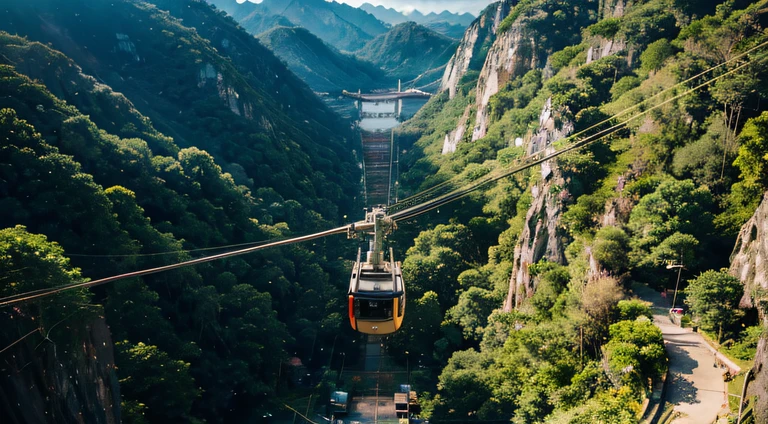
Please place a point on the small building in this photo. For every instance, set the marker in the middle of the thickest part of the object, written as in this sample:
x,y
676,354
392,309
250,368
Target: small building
x,y
401,405
339,403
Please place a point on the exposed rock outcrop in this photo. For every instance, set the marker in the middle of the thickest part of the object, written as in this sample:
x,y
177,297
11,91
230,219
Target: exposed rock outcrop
x,y
512,55
124,44
600,46
541,236
453,138
481,33
749,262
226,93
46,382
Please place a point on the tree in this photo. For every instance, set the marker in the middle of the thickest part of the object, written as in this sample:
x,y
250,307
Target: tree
x,y
472,311
598,299
463,385
31,262
648,340
163,384
611,249
753,153
655,54
421,327
679,248
633,309
674,206
551,280
714,299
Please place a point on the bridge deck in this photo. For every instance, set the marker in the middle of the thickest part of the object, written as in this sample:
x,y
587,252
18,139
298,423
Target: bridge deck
x,y
395,95
377,156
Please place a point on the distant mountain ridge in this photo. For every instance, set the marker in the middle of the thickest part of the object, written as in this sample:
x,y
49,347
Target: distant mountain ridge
x,y
447,23
393,17
342,26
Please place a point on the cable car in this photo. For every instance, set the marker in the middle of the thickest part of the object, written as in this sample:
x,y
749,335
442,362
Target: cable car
x,y
376,289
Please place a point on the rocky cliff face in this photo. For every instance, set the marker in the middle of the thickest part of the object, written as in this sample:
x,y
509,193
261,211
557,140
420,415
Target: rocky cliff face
x,y
541,236
47,382
481,33
512,55
208,74
601,46
749,263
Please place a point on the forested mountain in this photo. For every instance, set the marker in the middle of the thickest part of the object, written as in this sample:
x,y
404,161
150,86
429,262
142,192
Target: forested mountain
x,y
322,67
409,52
522,289
342,26
227,92
94,182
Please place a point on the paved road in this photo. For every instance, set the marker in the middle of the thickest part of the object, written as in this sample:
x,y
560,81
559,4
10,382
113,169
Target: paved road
x,y
380,378
696,386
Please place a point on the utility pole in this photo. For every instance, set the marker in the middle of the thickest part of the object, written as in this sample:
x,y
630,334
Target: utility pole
x,y
679,271
408,367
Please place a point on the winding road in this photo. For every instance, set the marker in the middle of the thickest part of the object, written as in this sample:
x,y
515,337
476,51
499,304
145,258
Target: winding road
x,y
695,386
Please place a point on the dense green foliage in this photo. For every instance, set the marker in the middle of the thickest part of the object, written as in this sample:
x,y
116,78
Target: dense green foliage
x,y
714,299
238,150
671,188
260,122
85,167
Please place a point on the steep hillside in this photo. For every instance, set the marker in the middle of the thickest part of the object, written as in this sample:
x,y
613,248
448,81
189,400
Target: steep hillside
x,y
342,26
133,201
748,263
474,46
409,52
235,100
532,303
257,21
323,68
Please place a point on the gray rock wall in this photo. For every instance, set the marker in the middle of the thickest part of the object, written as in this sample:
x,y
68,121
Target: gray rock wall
x,y
749,262
47,382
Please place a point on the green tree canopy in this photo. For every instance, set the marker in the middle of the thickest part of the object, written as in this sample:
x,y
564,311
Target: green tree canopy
x,y
163,384
714,300
674,206
655,54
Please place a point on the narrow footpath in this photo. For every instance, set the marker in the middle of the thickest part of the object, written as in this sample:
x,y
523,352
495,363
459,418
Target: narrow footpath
x,y
695,386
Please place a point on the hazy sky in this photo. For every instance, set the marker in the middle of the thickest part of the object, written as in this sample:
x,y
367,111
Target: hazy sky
x,y
472,6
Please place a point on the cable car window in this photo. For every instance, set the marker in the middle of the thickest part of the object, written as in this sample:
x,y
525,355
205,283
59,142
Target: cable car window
x,y
374,309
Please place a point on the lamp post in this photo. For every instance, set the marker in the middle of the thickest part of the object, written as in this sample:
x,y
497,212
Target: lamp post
x,y
679,271
408,366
